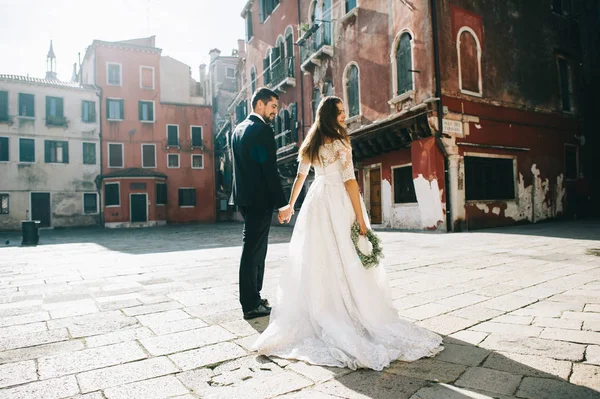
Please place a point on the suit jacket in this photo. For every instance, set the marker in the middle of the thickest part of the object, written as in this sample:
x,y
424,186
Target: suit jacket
x,y
256,181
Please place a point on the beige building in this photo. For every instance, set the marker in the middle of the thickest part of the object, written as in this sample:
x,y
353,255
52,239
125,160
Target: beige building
x,y
49,152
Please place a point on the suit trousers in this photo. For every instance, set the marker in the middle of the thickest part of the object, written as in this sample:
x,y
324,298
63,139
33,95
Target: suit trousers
x,y
257,223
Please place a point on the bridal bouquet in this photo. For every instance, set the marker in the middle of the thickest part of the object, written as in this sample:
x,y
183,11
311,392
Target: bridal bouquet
x,y
368,258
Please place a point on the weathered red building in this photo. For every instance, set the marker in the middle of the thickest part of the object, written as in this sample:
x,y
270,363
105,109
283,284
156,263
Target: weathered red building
x,y
156,132
460,115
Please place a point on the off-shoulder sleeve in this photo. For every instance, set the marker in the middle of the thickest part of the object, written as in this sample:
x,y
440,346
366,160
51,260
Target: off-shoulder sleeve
x,y
344,154
304,167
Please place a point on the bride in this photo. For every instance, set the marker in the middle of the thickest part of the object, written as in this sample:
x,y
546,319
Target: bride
x,y
329,309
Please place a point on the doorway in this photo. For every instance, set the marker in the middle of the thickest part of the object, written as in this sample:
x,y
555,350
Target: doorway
x,y
138,208
375,195
40,208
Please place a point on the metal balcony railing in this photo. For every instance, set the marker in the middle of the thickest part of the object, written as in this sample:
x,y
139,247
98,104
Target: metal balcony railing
x,y
281,69
284,139
319,38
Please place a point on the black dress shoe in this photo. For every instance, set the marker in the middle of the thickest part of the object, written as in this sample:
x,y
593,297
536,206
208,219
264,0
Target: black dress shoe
x,y
265,303
260,311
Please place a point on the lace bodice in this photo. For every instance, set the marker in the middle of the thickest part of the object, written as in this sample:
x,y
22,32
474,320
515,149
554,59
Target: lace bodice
x,y
329,153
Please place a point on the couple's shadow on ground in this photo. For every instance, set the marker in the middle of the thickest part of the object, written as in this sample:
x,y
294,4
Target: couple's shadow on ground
x,y
462,370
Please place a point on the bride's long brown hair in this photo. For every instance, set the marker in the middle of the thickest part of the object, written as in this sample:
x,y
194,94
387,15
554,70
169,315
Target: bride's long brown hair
x,y
326,126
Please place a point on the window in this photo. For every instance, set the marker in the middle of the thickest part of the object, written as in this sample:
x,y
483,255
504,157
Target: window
x,y
404,188
90,203
161,194
253,79
146,111
173,160
55,111
266,8
469,62
350,5
562,7
147,77
249,30
267,67
566,85
4,152
289,52
4,210
489,178
26,105
3,106
352,90
89,153
114,107
148,155
113,74
187,197
241,111
112,196
230,73
26,150
56,151
88,111
115,155
403,60
197,161
571,162
196,136
172,135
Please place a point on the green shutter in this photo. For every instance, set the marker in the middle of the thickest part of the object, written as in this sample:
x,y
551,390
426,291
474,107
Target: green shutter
x,y
47,149
48,116
122,106
59,108
108,109
140,110
65,147
3,105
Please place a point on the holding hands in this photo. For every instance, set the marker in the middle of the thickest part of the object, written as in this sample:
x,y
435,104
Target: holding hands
x,y
285,215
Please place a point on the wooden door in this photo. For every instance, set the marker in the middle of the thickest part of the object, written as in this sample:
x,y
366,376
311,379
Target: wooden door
x,y
40,208
375,198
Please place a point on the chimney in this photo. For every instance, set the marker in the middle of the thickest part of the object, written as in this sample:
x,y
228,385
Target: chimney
x,y
214,54
202,73
242,48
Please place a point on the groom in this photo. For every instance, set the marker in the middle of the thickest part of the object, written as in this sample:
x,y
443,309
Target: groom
x,y
257,191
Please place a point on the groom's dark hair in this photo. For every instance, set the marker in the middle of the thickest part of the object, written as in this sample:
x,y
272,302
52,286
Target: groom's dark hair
x,y
263,94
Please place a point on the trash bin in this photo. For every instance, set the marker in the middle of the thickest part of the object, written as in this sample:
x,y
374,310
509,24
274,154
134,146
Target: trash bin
x,y
31,232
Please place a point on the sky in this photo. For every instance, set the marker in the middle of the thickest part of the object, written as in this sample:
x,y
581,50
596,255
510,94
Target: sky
x,y
185,30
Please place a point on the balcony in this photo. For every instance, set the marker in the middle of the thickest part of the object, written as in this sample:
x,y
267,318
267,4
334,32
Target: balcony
x,y
315,44
281,74
286,143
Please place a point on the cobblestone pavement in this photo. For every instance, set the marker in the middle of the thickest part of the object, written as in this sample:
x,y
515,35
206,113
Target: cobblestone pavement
x,y
153,313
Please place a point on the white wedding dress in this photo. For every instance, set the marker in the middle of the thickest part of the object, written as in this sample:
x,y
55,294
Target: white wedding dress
x,y
329,310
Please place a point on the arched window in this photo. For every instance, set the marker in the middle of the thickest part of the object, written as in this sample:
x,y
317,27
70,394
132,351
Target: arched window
x,y
253,79
289,51
469,62
404,80
267,67
352,90
316,100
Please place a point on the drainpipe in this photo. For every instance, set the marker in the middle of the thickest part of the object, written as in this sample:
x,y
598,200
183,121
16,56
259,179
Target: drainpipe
x,y
99,186
440,109
300,77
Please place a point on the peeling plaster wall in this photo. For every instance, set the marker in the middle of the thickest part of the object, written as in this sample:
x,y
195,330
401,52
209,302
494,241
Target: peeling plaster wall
x,y
429,197
66,182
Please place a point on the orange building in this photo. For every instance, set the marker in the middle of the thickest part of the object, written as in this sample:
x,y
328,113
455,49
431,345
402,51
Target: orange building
x,y
156,136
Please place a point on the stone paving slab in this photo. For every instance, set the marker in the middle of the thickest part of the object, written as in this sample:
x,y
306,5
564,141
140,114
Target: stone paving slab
x,y
153,313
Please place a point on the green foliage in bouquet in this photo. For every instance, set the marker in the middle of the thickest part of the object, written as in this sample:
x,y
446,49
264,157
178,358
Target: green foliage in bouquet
x,y
376,255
